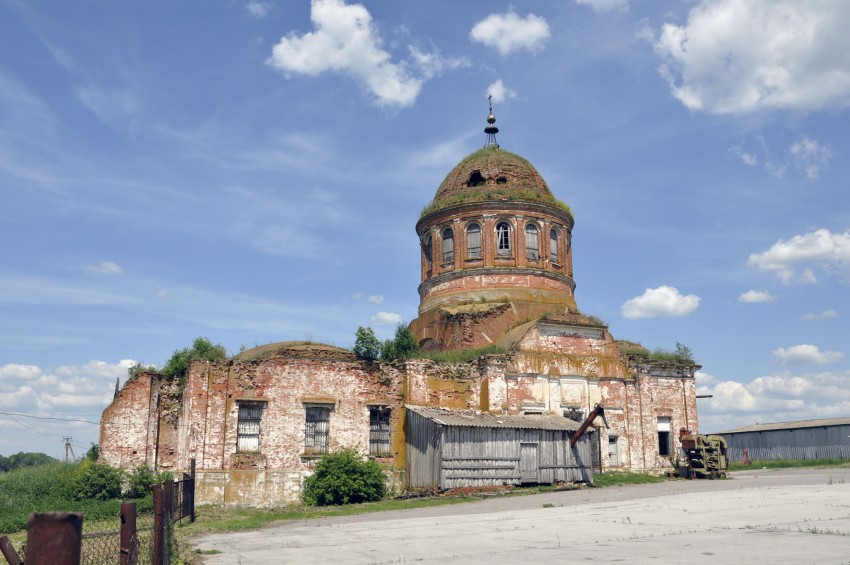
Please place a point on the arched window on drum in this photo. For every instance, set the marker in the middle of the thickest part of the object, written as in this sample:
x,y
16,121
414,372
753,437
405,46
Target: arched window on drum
x,y
448,247
473,241
532,242
553,245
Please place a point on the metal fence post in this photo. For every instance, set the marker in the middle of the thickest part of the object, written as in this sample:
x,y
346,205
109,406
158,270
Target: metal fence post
x,y
54,538
158,526
9,552
192,492
168,492
128,530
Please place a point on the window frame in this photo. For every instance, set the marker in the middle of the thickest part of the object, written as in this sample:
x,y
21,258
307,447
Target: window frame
x,y
448,254
532,235
553,244
249,417
473,251
379,431
503,239
316,435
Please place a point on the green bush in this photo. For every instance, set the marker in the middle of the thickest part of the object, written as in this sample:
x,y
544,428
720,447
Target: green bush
x,y
344,478
140,482
402,346
96,481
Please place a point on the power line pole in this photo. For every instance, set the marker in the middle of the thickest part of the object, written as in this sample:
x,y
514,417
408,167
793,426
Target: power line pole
x,y
70,456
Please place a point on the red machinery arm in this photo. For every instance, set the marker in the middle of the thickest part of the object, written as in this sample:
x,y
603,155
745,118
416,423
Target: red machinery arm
x,y
598,410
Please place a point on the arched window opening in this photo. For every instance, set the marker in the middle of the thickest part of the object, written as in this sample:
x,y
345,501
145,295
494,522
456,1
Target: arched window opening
x,y
475,179
503,239
448,247
429,245
473,242
502,180
532,243
553,245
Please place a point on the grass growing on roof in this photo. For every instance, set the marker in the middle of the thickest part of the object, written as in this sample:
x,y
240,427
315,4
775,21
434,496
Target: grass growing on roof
x,y
461,356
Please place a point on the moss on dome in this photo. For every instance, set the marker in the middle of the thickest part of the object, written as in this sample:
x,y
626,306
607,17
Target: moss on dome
x,y
492,174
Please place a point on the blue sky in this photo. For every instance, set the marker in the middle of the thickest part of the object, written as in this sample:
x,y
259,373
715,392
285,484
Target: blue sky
x,y
252,172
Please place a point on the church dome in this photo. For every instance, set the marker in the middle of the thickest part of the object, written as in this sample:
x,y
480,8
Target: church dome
x,y
492,174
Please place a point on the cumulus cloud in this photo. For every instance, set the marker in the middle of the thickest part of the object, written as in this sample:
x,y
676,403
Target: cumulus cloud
x,y
386,318
806,353
602,6
509,32
822,316
775,398
830,251
258,10
733,57
810,156
746,157
752,296
661,301
500,92
104,268
346,41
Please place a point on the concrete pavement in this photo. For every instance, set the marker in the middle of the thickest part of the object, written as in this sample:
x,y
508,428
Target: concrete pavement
x,y
783,516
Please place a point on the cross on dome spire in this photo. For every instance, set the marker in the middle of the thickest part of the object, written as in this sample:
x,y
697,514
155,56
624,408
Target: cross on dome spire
x,y
491,130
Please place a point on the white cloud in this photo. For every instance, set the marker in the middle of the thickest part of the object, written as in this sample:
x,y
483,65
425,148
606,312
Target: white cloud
x,y
500,92
508,32
734,57
806,353
386,318
822,316
809,155
346,41
432,64
661,301
752,296
829,250
104,268
358,296
776,398
375,298
748,159
258,10
602,6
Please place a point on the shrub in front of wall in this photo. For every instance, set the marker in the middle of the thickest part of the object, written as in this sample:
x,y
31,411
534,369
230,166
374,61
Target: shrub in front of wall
x,y
96,481
344,478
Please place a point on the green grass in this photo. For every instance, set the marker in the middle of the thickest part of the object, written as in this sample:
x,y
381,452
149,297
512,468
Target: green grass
x,y
461,356
615,478
47,488
787,463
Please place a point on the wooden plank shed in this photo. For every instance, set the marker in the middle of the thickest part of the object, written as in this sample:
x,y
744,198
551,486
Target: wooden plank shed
x,y
447,449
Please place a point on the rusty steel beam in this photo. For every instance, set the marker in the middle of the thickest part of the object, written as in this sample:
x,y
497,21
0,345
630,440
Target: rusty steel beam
x,y
9,552
158,526
128,530
54,538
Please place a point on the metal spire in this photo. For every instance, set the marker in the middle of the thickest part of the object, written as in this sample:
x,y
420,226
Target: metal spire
x,y
491,130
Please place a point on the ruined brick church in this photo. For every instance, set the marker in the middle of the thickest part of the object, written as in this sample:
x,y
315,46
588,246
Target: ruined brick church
x,y
496,261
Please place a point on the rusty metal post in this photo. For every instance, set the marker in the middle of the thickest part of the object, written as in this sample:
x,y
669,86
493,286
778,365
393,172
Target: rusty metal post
x,y
128,530
9,552
192,492
158,526
168,495
54,538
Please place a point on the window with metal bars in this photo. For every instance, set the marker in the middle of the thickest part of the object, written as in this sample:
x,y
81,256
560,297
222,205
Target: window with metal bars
x,y
532,243
248,427
473,241
379,431
316,434
503,239
448,247
553,245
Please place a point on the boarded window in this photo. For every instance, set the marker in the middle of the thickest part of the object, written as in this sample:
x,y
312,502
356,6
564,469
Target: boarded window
x,y
248,427
379,431
503,239
429,245
316,436
448,246
553,245
664,447
532,243
613,457
473,242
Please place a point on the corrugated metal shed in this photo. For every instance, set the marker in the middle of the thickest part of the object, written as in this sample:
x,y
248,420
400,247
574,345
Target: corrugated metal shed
x,y
806,439
447,449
